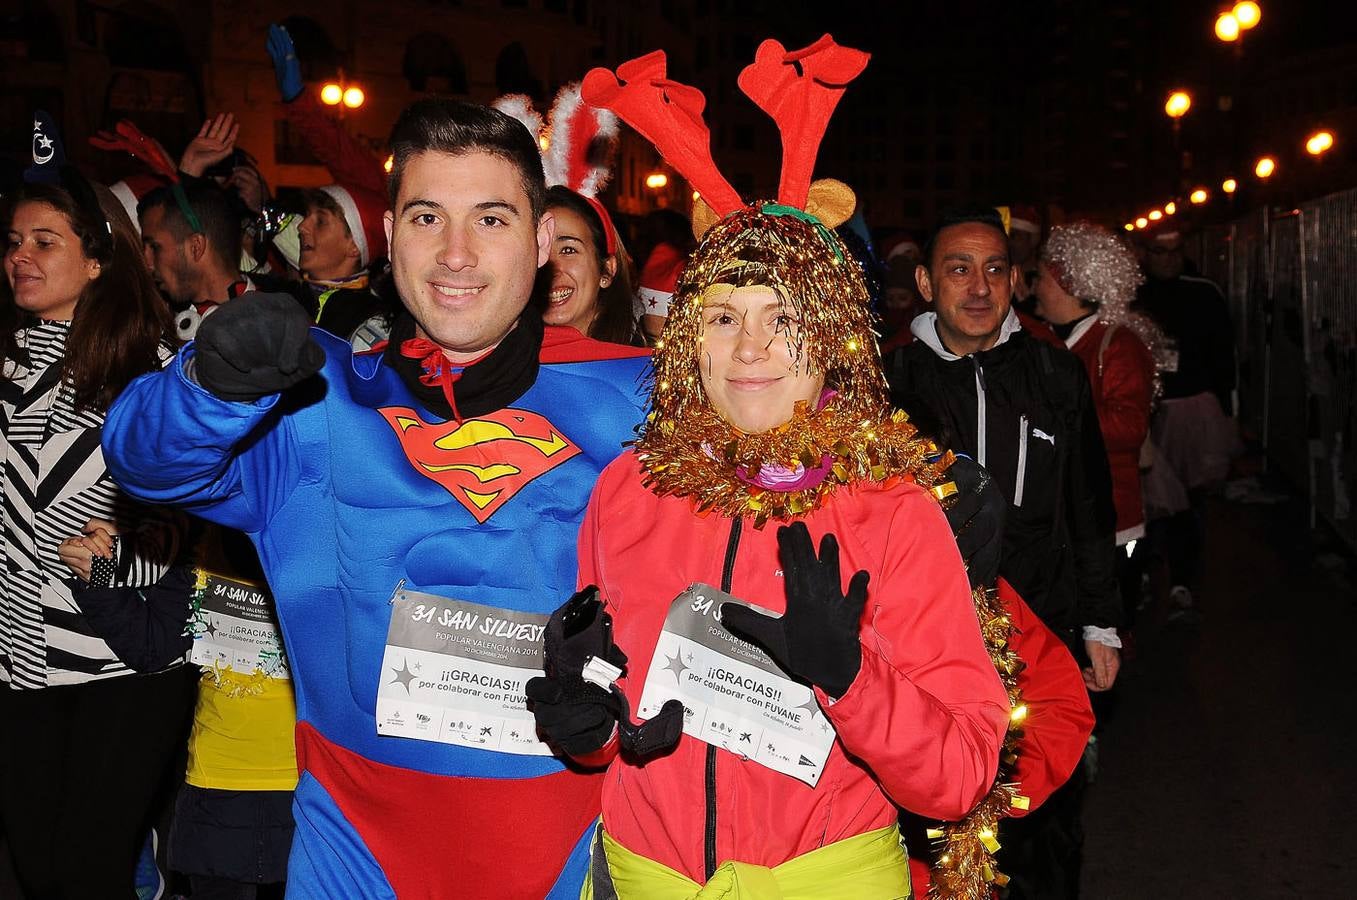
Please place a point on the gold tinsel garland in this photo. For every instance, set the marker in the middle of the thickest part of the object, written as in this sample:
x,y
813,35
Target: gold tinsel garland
x,y
964,866
688,450
699,461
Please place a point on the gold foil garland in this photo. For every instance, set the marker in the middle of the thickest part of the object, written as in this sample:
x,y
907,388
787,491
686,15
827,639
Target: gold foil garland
x,y
964,867
688,450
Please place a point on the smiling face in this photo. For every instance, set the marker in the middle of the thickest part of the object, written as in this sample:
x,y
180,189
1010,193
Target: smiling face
x,y
751,369
970,283
578,274
465,248
44,262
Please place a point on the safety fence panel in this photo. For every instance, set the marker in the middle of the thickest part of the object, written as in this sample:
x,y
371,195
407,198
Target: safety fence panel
x,y
1329,263
1246,284
1287,443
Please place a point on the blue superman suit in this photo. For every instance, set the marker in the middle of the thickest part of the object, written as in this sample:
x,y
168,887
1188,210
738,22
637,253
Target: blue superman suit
x,y
347,486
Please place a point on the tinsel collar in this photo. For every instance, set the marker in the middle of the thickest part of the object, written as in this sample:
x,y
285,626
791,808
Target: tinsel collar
x,y
707,460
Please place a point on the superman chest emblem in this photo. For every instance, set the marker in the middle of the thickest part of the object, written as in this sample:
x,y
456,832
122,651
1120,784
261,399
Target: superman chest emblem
x,y
485,461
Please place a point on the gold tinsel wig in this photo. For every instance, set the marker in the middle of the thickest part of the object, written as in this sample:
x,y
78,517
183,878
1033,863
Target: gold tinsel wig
x,y
788,246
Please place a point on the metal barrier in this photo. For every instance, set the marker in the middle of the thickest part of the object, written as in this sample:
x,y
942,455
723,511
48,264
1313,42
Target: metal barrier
x,y
1291,281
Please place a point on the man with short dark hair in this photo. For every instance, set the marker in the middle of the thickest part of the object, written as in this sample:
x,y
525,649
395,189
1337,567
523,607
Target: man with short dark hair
x,y
416,511
1026,414
196,264
1024,410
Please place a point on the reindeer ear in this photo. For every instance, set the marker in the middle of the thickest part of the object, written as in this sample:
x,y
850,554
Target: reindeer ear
x,y
704,217
830,200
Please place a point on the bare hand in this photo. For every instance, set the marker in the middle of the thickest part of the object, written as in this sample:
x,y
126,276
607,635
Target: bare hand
x,y
77,553
215,141
249,186
1105,663
97,540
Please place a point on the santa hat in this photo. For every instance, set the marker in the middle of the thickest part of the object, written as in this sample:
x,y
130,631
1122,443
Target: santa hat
x,y
898,245
363,211
130,192
1024,218
659,277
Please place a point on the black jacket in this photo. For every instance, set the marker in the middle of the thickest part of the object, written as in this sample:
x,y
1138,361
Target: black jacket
x,y
1024,410
1192,312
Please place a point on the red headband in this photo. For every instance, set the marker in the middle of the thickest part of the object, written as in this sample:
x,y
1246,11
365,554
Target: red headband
x,y
609,232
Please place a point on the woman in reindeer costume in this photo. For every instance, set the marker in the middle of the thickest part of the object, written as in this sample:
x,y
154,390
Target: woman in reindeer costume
x,y
810,707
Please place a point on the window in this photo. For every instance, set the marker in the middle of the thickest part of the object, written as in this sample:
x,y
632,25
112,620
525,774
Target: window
x,y
431,63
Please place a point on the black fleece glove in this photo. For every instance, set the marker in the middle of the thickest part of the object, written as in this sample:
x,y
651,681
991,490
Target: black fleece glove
x,y
576,715
256,345
816,640
976,513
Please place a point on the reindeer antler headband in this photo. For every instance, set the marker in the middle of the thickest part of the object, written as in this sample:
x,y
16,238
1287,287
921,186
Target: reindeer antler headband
x,y
127,136
798,89
787,245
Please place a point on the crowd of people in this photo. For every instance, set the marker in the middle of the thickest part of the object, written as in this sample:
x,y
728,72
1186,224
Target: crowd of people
x,y
406,536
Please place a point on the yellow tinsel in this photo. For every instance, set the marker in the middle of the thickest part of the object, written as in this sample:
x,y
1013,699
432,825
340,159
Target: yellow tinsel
x,y
965,866
688,450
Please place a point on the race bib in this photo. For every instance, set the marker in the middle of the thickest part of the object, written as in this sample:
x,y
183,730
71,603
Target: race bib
x,y
453,672
734,696
234,627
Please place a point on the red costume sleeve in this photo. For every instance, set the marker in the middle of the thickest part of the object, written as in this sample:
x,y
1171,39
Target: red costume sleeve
x,y
1059,718
1124,400
350,163
927,712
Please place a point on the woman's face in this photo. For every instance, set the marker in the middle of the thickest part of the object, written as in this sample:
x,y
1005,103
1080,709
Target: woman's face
x,y
44,262
577,273
748,358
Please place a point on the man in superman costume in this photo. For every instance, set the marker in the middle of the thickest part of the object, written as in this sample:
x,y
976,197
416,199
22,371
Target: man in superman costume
x,y
455,462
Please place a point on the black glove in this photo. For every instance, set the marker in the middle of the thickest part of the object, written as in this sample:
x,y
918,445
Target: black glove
x,y
578,716
976,513
255,345
816,640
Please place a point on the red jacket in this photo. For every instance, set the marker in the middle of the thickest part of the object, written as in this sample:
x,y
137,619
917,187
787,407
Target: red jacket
x,y
923,721
1121,372
1059,718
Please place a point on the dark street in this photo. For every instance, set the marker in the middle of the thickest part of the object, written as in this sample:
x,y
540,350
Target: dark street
x,y
1222,771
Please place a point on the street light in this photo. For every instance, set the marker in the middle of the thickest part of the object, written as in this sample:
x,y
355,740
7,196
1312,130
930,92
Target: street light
x,y
1265,167
1319,143
1247,14
331,94
1129,226
354,97
1198,196
390,162
1229,185
1170,208
1177,105
1142,222
656,180
1155,215
1227,27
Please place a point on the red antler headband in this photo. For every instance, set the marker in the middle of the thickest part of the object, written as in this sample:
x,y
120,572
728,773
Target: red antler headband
x,y
127,136
798,89
669,115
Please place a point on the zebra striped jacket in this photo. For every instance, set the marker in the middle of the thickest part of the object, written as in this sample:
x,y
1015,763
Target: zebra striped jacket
x,y
53,481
